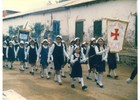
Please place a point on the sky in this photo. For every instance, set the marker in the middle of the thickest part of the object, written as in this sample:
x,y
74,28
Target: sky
x,y
24,5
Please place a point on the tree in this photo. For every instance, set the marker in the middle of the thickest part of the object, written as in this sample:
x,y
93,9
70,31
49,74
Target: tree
x,y
14,30
37,30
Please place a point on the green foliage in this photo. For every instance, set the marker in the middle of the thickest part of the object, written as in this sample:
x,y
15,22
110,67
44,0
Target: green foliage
x,y
14,30
37,29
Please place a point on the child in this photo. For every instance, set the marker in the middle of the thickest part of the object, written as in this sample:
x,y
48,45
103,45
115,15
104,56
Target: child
x,y
77,43
32,52
92,59
132,76
101,57
112,63
43,53
21,55
57,50
65,60
76,71
84,47
10,54
26,58
4,54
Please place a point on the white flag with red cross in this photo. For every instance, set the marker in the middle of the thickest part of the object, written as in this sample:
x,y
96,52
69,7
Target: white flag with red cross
x,y
116,30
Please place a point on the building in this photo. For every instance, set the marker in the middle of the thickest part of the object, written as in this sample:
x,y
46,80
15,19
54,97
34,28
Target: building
x,y
82,18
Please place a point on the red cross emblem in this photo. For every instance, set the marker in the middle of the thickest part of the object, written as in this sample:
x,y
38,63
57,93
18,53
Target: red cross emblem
x,y
116,34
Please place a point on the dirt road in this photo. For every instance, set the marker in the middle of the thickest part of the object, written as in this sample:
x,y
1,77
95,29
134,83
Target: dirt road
x,y
36,88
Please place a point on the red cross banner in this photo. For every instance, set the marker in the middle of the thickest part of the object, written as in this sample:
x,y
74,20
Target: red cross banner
x,y
116,30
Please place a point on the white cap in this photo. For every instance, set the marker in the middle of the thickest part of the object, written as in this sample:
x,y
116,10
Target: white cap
x,y
45,40
27,42
76,47
77,38
59,36
5,42
99,39
92,39
11,42
21,42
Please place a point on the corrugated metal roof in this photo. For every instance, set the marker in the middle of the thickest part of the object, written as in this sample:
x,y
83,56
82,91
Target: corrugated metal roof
x,y
50,7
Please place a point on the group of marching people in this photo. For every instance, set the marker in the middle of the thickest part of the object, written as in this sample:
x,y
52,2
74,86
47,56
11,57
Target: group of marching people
x,y
93,55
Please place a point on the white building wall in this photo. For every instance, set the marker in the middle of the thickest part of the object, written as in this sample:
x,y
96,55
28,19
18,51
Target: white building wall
x,y
120,9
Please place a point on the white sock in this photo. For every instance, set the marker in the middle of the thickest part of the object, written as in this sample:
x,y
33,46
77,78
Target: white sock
x,y
32,69
48,68
26,64
72,82
42,70
114,72
55,77
95,76
79,79
46,72
21,67
82,81
100,76
59,78
11,64
6,62
63,71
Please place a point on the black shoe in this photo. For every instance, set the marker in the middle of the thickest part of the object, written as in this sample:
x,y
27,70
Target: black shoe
x,y
72,86
101,86
41,75
88,78
49,73
109,76
79,82
36,69
48,77
63,76
10,68
60,83
32,73
95,80
21,70
84,87
116,77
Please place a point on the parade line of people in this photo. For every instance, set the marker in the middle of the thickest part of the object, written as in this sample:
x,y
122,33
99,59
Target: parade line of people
x,y
94,55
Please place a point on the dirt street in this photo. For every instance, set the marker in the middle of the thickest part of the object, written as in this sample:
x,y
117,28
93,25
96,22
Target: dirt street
x,y
36,88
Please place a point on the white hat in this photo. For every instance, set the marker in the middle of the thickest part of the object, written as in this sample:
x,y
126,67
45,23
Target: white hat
x,y
27,42
5,42
11,42
59,36
77,38
45,40
21,42
76,47
92,39
99,39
